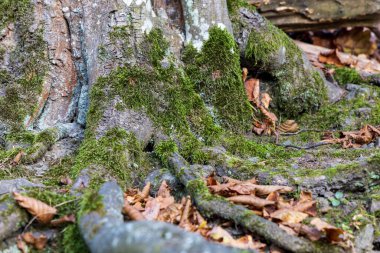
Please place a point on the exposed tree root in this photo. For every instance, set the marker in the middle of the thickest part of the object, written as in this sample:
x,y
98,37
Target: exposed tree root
x,y
210,205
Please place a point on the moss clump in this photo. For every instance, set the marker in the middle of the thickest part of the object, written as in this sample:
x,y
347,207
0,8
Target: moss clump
x,y
340,114
118,151
29,60
217,75
347,75
297,87
165,149
234,5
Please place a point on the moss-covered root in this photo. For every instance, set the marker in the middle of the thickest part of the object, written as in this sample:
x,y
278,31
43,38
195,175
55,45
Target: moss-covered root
x,y
298,87
104,230
42,143
210,205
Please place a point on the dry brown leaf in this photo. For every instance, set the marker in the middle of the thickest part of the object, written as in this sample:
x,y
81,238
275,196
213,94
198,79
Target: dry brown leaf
x,y
63,220
251,201
289,126
222,189
288,230
333,234
210,180
308,231
267,189
220,235
171,214
269,115
18,157
245,74
144,193
132,212
152,209
242,188
309,207
252,89
66,181
289,216
164,190
185,214
37,242
21,245
265,100
43,212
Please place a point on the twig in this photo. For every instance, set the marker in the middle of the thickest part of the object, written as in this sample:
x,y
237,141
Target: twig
x,y
307,130
309,146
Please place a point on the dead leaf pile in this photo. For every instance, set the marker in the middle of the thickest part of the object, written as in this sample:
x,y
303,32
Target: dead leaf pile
x,y
265,123
293,216
138,205
354,139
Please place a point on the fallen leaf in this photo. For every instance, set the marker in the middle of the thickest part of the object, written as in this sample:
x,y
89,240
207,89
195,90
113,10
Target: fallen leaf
x,y
185,213
289,126
251,201
267,189
144,193
164,190
356,41
132,212
63,220
37,242
66,181
245,74
21,245
308,231
265,100
252,89
289,216
333,234
43,212
18,157
152,209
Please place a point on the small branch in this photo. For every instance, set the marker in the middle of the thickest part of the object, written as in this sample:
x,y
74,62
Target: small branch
x,y
309,146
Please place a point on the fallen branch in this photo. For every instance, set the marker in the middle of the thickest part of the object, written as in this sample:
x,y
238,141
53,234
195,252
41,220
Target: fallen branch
x,y
309,146
210,205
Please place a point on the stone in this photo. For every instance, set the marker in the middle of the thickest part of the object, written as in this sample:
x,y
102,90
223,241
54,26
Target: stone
x,y
374,206
355,90
364,112
377,142
9,186
334,92
12,217
364,240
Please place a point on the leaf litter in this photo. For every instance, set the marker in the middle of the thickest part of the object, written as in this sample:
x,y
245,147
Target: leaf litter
x,y
296,216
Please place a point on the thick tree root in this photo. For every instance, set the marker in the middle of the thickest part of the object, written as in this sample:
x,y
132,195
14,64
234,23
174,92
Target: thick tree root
x,y
210,205
104,230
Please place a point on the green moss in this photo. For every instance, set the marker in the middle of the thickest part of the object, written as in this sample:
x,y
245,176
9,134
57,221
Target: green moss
x,y
118,151
165,149
219,81
160,89
243,147
72,241
347,75
334,116
234,5
296,89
